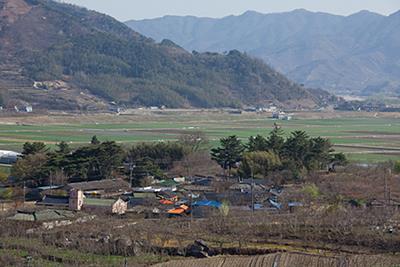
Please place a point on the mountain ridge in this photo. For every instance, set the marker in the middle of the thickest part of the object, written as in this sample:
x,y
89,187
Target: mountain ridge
x,y
343,54
82,59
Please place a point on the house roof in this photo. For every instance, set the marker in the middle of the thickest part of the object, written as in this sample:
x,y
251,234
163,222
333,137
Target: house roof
x,y
198,188
180,210
49,187
108,185
99,202
167,183
145,195
207,203
49,200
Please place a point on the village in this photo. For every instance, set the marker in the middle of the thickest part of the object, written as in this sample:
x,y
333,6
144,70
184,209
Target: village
x,y
271,194
194,197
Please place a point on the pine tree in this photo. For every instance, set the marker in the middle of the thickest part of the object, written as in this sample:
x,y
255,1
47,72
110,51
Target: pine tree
x,y
258,143
63,148
229,153
94,140
275,141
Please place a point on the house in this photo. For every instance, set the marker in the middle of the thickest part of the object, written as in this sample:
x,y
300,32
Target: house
x,y
179,211
54,201
105,205
9,157
77,201
28,109
282,116
37,194
201,180
198,188
101,188
165,195
287,117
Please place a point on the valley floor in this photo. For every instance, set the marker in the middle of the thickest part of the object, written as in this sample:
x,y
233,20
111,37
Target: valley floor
x,y
365,137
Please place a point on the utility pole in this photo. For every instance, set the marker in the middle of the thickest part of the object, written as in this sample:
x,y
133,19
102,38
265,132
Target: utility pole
x,y
252,189
386,189
131,167
191,208
388,185
23,192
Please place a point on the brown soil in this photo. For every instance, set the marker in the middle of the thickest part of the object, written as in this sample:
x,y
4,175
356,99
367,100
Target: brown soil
x,y
287,260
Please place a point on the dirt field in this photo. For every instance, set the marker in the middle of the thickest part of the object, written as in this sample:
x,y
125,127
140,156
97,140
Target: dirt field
x,y
287,260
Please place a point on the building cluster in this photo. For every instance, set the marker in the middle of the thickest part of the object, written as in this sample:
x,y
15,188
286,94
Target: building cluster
x,y
196,196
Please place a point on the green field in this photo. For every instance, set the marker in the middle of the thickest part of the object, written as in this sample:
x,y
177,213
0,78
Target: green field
x,y
361,138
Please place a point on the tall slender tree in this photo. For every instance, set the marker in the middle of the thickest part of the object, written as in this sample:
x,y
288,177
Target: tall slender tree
x,y
275,140
229,153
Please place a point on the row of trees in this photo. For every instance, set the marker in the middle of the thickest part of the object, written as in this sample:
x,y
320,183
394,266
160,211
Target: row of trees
x,y
99,160
40,166
261,155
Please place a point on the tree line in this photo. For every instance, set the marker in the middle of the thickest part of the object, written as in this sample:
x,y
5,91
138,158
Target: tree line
x,y
39,166
298,153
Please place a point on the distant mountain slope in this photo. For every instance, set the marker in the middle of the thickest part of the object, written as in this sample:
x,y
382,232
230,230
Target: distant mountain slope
x,y
95,56
357,53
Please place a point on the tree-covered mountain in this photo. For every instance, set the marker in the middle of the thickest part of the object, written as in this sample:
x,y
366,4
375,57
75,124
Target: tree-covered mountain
x,y
356,53
93,56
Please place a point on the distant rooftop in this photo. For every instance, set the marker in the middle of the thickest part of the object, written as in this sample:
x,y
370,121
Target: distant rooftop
x,y
106,185
99,202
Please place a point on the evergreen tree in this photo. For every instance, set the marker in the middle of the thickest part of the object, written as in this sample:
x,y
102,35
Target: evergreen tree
x,y
34,148
275,141
319,153
63,148
296,148
229,153
94,140
258,143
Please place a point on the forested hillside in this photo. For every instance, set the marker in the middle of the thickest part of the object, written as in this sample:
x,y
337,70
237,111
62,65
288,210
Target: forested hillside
x,y
43,40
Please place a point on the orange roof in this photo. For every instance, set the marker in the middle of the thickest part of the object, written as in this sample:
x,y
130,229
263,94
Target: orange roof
x,y
166,202
176,211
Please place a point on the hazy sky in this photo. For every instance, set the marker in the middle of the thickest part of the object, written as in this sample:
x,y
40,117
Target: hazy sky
x,y
140,9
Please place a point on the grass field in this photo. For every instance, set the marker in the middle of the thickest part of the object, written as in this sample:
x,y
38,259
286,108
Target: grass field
x,y
362,138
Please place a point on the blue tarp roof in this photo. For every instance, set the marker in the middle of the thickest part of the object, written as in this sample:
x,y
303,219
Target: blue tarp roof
x,y
207,203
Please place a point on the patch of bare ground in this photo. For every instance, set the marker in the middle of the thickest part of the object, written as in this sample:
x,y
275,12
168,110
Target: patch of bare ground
x,y
287,260
360,183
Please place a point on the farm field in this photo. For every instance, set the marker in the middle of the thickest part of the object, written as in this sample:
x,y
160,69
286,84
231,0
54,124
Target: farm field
x,y
363,137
